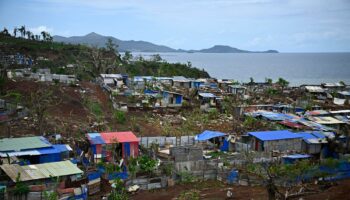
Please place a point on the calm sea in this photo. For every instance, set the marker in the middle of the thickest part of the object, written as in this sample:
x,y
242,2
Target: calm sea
x,y
297,68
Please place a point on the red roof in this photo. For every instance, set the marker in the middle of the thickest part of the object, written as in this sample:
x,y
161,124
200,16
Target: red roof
x,y
292,124
121,137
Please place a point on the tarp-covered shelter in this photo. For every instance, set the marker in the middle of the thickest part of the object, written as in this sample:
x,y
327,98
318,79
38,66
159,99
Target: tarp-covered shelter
x,y
206,135
215,137
281,140
312,141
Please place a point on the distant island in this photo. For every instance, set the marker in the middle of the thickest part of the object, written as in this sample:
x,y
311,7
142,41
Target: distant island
x,y
94,39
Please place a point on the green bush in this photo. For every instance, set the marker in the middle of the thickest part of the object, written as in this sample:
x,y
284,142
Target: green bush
x,y
186,177
213,114
189,195
147,164
119,116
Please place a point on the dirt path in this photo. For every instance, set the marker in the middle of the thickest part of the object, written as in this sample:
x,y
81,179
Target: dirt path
x,y
216,190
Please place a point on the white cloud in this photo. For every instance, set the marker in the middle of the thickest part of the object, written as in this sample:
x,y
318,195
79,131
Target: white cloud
x,y
260,41
39,29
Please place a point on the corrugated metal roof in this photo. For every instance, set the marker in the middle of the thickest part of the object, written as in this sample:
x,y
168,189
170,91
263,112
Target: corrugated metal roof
x,y
340,111
292,124
317,112
274,116
313,137
57,148
274,135
111,75
121,137
297,156
23,143
326,120
237,86
315,89
180,79
345,93
206,95
41,171
143,78
20,153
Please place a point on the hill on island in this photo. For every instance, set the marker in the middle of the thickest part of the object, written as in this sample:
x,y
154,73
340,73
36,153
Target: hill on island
x,y
94,39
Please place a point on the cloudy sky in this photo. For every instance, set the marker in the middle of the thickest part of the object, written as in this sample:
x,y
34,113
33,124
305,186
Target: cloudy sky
x,y
285,25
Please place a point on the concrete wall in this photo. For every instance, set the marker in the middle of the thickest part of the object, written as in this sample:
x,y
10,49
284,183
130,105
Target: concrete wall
x,y
162,140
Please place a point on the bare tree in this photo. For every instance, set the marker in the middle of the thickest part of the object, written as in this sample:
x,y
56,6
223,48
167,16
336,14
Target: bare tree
x,y
39,103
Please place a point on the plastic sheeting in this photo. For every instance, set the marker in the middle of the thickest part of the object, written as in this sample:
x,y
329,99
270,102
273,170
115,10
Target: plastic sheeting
x,y
274,135
206,135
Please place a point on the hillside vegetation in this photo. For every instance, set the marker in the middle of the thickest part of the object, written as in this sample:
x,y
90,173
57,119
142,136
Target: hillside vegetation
x,y
90,61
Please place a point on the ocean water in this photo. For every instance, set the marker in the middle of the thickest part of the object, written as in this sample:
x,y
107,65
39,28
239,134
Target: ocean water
x,y
297,68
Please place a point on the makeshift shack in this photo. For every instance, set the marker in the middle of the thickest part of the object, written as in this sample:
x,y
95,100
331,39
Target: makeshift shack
x,y
33,149
281,140
171,99
181,82
45,171
207,99
312,142
236,89
215,137
109,144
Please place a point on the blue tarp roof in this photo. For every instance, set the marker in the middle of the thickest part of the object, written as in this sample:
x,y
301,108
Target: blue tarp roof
x,y
309,136
95,138
206,135
297,156
274,135
57,148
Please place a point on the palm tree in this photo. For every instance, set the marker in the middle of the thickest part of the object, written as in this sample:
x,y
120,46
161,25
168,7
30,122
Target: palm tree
x,y
32,37
5,32
29,34
282,83
48,37
22,30
44,34
37,37
15,31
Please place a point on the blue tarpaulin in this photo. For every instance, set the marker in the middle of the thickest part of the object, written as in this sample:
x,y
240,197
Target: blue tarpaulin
x,y
121,175
93,175
225,146
178,99
206,135
127,149
274,135
95,138
52,154
232,177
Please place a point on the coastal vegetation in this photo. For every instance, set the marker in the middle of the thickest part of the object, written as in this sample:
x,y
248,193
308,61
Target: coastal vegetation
x,y
88,61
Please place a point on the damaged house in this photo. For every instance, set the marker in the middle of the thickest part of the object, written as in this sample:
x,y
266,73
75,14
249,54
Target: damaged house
x,y
282,141
171,99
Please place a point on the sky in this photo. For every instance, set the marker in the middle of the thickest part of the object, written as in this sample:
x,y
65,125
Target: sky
x,y
284,25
